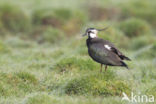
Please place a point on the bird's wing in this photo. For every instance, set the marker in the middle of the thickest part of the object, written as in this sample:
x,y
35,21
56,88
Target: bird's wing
x,y
122,56
103,55
112,48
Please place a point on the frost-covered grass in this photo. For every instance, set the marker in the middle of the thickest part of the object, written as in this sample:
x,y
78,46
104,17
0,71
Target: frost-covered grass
x,y
42,74
44,59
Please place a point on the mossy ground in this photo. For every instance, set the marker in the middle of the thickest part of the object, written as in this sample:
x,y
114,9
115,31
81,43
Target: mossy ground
x,y
44,59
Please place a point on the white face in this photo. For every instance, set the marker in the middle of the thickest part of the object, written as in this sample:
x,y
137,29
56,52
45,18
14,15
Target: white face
x,y
92,33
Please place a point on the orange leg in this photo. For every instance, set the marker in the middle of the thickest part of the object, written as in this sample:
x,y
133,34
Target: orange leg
x,y
105,68
101,68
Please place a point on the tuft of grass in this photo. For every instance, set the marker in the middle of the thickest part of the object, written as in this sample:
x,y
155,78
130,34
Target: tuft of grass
x,y
151,91
147,52
3,48
44,98
48,34
40,99
141,41
75,63
75,23
65,19
97,12
57,53
45,17
52,35
63,14
27,77
133,27
137,9
17,84
13,19
98,84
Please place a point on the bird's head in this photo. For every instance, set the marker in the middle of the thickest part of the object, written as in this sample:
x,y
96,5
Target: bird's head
x,y
92,32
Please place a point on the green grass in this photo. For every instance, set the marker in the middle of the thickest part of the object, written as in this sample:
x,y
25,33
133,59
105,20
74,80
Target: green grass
x,y
13,18
134,27
18,83
44,58
98,85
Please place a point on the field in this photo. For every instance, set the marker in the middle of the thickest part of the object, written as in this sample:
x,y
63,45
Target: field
x,y
44,59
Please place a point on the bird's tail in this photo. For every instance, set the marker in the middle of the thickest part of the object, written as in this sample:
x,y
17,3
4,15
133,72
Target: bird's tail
x,y
124,65
126,58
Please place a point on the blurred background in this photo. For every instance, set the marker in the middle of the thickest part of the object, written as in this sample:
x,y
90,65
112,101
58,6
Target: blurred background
x,y
44,59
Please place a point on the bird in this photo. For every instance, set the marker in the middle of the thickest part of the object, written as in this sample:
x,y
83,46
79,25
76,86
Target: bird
x,y
102,51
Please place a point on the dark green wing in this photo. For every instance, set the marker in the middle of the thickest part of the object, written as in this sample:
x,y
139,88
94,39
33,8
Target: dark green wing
x,y
115,50
102,55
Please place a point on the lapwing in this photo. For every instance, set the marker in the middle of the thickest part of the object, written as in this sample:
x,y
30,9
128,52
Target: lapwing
x,y
103,51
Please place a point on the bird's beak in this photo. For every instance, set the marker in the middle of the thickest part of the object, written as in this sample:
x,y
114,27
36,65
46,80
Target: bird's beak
x,y
102,29
84,34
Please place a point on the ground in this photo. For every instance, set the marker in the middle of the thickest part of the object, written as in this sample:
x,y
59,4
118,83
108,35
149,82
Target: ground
x,y
44,59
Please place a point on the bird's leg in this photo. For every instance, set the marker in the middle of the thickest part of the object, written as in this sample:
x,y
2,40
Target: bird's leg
x,y
105,68
101,68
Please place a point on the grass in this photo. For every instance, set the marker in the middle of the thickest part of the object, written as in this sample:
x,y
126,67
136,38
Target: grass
x,y
44,59
53,72
134,27
97,85
13,19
